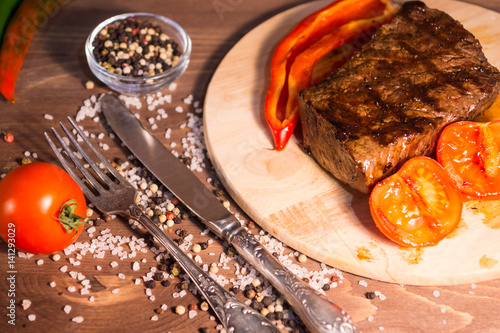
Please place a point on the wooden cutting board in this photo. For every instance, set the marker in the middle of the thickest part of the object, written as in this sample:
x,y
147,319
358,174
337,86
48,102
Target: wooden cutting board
x,y
292,198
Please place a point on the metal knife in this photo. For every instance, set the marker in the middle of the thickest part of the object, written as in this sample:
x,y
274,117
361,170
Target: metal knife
x,y
317,312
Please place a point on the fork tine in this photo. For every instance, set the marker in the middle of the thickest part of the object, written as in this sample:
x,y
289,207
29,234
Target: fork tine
x,y
98,154
68,168
87,158
95,184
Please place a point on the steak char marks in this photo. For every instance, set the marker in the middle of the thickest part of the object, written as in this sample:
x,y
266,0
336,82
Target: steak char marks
x,y
419,72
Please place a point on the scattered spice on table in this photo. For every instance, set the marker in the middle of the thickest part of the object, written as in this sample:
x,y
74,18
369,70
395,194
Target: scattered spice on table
x,y
180,310
164,269
370,295
8,137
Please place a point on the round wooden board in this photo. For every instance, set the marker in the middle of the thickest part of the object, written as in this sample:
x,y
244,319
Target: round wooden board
x,y
292,198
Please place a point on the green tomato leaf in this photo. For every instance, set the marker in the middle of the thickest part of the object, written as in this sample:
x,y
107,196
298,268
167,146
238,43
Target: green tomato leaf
x,y
68,219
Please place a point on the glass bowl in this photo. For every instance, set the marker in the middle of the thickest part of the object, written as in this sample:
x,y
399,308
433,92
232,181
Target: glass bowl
x,y
141,85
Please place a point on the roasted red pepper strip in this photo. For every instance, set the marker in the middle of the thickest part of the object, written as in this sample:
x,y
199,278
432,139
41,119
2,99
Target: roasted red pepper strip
x,y
304,34
300,75
30,15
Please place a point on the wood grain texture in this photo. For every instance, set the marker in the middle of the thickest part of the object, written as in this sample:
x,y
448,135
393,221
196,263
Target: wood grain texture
x,y
51,82
298,202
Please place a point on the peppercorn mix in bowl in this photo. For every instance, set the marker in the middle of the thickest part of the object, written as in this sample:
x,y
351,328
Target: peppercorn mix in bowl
x,y
138,53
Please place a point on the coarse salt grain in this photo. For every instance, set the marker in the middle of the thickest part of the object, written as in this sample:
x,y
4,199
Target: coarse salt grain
x,y
31,317
78,319
52,284
363,283
48,116
26,304
154,318
436,293
71,289
113,264
67,309
381,296
115,291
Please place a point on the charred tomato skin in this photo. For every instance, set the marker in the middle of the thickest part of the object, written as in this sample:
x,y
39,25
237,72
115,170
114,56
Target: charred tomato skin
x,y
470,153
418,205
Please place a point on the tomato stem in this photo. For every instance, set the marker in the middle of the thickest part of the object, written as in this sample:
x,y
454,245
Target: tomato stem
x,y
68,219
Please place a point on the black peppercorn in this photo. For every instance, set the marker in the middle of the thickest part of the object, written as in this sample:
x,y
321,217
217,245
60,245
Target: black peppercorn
x,y
181,233
370,295
257,306
150,284
159,200
271,316
267,300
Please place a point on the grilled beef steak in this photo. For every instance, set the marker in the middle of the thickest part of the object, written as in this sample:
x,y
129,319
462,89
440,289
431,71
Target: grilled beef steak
x,y
390,102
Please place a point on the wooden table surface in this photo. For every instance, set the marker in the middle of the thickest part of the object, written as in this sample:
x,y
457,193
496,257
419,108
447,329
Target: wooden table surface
x,y
51,87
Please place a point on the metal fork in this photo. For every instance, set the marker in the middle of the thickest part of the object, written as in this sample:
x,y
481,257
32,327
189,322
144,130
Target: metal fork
x,y
119,198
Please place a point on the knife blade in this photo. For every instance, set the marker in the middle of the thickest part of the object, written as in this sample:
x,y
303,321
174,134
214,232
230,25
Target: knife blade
x,y
167,168
317,312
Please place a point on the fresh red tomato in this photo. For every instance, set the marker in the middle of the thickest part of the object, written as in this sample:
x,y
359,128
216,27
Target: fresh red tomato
x,y
470,152
418,205
41,208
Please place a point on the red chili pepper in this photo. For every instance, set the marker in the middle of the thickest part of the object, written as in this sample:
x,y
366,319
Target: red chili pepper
x,y
300,75
302,36
29,16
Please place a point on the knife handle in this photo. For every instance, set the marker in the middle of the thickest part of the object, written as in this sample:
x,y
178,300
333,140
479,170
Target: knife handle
x,y
235,315
317,312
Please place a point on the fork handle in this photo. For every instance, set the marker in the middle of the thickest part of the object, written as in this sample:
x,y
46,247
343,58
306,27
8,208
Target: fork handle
x,y
235,315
